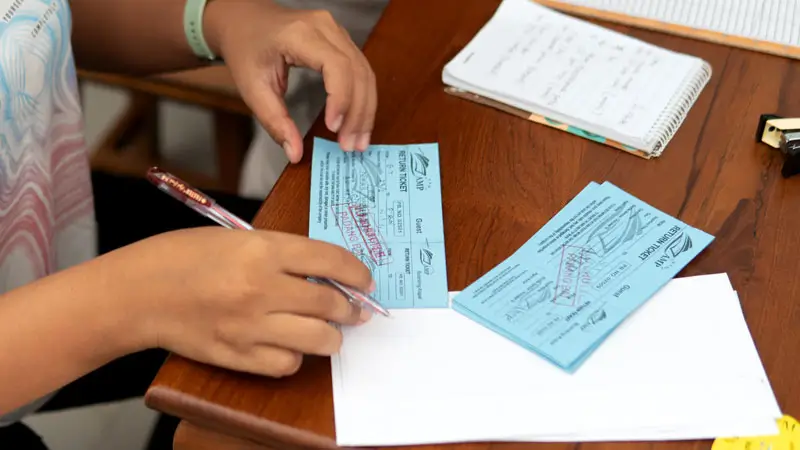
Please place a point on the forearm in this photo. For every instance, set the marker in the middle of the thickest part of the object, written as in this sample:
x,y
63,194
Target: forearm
x,y
139,37
57,329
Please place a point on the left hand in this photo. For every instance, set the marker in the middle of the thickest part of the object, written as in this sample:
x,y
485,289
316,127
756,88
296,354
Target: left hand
x,y
260,40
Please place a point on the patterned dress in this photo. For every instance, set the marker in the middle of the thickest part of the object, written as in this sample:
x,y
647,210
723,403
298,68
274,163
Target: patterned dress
x,y
46,211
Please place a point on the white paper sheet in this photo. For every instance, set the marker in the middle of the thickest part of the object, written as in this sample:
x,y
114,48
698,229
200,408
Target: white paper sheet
x,y
775,21
682,367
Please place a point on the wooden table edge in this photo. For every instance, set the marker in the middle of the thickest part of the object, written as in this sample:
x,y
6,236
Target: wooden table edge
x,y
229,421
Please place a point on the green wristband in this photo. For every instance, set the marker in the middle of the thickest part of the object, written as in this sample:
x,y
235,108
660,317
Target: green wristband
x,y
193,27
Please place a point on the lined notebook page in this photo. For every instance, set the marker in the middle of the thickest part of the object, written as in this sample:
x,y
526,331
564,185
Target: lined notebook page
x,y
545,62
776,21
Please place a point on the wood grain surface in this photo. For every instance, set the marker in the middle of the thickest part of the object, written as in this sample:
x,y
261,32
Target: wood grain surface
x,y
503,178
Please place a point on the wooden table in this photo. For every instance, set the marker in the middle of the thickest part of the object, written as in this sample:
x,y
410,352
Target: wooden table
x,y
502,179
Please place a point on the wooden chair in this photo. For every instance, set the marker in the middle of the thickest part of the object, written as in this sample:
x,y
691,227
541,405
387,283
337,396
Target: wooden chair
x,y
131,144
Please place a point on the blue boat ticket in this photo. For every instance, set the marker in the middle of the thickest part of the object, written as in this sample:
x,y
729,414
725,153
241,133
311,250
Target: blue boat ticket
x,y
385,206
582,274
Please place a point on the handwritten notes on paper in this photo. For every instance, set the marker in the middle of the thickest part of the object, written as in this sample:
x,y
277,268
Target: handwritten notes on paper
x,y
546,62
385,206
582,274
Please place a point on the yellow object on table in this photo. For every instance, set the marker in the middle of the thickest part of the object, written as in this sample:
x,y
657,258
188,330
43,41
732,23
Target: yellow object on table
x,y
788,438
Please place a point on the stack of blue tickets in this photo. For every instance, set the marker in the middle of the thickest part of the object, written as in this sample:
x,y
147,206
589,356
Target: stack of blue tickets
x,y
560,295
568,287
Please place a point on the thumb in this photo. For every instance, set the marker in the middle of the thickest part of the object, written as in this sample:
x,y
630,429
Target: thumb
x,y
266,101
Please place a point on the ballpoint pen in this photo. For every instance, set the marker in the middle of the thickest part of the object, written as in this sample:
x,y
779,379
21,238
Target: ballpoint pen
x,y
206,206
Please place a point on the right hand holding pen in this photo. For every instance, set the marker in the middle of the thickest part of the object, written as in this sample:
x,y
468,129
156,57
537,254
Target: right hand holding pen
x,y
239,299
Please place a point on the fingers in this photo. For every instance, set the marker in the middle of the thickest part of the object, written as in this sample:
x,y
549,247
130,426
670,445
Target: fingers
x,y
278,342
355,133
264,93
305,335
262,360
349,80
356,130
308,257
308,298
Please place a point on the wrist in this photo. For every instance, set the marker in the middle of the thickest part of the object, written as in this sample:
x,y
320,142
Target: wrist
x,y
214,24
201,29
115,314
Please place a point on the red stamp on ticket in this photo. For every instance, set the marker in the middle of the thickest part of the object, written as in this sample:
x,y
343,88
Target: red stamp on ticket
x,y
573,272
360,232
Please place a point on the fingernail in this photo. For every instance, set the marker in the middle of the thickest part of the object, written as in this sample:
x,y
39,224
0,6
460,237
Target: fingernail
x,y
348,142
364,316
372,287
287,148
336,124
363,142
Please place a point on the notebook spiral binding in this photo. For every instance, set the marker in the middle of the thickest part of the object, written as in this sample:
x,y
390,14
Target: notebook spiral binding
x,y
671,118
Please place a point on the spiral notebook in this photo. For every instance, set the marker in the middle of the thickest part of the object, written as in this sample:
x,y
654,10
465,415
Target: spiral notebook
x,y
768,26
566,73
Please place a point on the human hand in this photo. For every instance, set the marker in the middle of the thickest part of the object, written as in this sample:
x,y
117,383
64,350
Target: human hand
x,y
260,40
238,299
